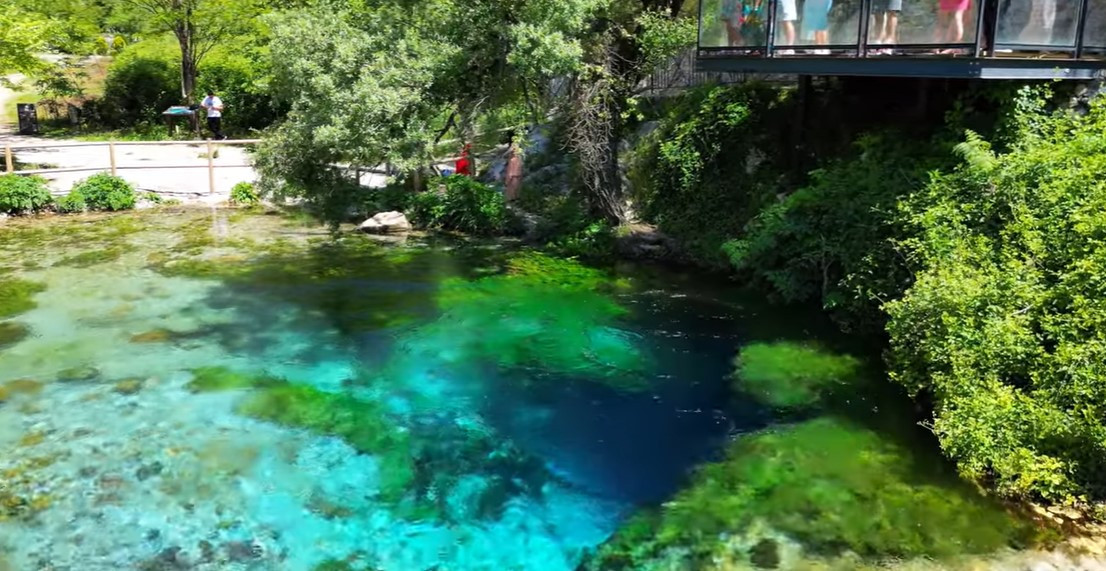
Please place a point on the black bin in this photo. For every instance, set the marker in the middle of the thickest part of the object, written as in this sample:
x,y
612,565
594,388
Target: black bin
x,y
28,118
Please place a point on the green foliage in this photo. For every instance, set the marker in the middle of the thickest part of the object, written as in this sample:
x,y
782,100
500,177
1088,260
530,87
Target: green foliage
x,y
17,296
106,192
244,194
792,375
829,483
72,203
834,239
141,83
1003,327
465,206
364,425
712,164
23,194
218,379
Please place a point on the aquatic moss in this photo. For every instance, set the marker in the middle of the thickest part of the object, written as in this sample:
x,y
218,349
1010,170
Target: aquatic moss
x,y
544,313
216,379
17,296
791,375
364,425
152,336
91,258
831,484
12,333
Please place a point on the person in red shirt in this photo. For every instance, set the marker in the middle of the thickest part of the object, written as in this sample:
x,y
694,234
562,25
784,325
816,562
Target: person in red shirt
x,y
464,164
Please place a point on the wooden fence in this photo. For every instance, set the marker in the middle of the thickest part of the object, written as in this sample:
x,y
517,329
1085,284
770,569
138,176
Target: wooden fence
x,y
114,168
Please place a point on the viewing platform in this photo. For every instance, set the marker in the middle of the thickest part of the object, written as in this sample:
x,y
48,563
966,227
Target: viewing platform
x,y
988,39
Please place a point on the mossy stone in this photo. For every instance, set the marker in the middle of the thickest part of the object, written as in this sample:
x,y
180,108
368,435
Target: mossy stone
x,y
91,258
216,379
23,387
765,554
129,386
78,374
12,333
153,336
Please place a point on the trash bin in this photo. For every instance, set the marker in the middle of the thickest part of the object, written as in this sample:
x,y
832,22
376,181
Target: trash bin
x,y
28,118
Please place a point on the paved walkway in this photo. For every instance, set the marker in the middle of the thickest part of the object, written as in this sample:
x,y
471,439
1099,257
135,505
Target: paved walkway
x,y
185,184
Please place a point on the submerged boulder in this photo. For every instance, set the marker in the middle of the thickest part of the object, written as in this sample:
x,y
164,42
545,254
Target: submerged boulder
x,y
386,223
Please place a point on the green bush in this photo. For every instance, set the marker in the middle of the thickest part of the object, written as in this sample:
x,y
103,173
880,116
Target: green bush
x,y
106,192
244,194
465,206
22,194
72,203
141,83
1003,326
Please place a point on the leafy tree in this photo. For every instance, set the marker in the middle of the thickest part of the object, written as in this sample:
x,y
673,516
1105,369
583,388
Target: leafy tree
x,y
22,35
198,26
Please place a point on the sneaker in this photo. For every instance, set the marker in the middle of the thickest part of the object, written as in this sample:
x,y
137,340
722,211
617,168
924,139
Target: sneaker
x,y
821,52
785,52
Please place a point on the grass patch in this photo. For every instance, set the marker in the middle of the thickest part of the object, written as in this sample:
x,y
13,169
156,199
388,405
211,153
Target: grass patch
x,y
217,379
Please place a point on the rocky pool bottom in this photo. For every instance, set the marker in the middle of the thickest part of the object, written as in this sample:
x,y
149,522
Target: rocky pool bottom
x,y
214,389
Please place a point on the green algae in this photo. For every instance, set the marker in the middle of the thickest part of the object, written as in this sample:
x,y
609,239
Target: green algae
x,y
364,425
790,375
217,379
17,296
12,333
553,314
833,485
92,258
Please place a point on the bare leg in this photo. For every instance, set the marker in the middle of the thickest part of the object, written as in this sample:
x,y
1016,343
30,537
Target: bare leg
x,y
892,27
789,32
940,34
958,26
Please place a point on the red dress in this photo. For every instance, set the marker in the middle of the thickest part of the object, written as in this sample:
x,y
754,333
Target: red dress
x,y
955,5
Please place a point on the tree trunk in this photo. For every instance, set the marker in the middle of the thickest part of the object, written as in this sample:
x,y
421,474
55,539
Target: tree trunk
x,y
183,31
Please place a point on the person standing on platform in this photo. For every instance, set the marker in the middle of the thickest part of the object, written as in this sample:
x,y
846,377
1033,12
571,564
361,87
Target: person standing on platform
x,y
950,22
512,177
788,15
214,108
886,13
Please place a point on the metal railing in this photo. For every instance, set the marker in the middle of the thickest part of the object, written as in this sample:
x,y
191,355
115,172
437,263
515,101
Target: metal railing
x,y
114,167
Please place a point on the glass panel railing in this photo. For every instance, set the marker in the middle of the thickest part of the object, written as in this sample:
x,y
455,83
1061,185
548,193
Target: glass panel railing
x,y
732,23
1037,23
914,23
1094,31
814,23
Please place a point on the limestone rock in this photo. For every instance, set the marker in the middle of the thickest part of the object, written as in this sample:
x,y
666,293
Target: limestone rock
x,y
642,241
386,223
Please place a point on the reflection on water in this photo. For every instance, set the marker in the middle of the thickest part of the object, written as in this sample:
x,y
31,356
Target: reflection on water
x,y
269,396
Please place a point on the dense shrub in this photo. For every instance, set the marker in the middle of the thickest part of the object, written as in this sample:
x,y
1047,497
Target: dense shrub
x,y
141,83
465,206
72,203
244,194
22,194
106,192
1004,324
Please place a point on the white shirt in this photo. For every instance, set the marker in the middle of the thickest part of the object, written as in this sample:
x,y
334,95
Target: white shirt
x,y
210,103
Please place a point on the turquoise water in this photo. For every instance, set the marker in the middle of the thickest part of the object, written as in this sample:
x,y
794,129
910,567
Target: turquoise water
x,y
215,390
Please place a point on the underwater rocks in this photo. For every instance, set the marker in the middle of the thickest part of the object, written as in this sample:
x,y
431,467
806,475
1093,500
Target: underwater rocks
x,y
386,223
216,379
128,386
78,374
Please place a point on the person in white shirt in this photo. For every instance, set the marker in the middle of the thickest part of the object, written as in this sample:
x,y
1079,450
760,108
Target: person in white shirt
x,y
214,107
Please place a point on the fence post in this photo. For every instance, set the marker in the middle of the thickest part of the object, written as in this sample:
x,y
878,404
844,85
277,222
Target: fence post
x,y
8,162
111,155
210,168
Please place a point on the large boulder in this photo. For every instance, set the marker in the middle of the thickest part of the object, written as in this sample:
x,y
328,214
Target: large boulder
x,y
386,223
